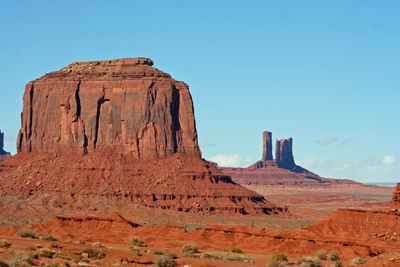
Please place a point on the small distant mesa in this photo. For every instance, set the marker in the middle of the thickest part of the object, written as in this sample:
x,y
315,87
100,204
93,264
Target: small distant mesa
x,y
3,154
283,153
396,197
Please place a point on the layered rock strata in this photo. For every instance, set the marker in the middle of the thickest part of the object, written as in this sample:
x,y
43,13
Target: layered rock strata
x,y
119,131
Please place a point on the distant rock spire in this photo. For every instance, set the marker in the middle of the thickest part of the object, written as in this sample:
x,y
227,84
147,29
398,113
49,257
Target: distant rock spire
x,y
3,154
267,146
1,140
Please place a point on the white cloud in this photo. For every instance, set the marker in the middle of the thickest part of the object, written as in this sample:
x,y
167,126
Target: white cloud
x,y
346,141
373,170
326,140
389,159
234,160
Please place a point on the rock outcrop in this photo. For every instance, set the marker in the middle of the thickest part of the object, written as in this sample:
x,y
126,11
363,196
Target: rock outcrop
x,y
396,197
267,146
118,131
283,153
124,105
3,154
281,171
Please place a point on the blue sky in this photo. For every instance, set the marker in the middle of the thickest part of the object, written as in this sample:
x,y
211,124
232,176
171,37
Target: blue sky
x,y
326,73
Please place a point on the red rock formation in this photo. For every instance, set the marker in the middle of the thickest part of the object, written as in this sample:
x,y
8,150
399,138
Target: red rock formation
x,y
396,197
123,131
3,154
267,146
282,171
124,105
284,154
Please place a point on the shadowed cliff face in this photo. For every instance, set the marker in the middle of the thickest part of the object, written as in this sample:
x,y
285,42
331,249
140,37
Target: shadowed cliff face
x,y
124,105
284,154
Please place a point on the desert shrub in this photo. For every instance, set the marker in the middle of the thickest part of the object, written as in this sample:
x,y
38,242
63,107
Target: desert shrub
x,y
211,256
52,264
81,241
66,264
165,261
334,255
189,250
236,250
280,257
48,238
3,264
27,233
32,255
80,258
171,255
135,249
4,244
55,245
338,264
60,255
155,252
321,255
135,241
358,261
19,259
46,253
242,258
93,253
308,261
276,263
97,245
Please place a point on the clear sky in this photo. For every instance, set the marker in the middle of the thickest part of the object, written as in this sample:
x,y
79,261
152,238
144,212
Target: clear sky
x,y
326,73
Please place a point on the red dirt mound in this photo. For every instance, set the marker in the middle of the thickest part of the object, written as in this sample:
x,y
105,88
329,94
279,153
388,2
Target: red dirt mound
x,y
351,232
181,183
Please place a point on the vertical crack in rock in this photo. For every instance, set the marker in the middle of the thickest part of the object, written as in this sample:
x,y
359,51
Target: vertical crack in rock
x,y
30,111
96,133
78,102
150,100
30,117
85,143
176,126
19,143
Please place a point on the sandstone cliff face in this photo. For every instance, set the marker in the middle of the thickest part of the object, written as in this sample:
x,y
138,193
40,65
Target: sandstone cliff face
x,y
124,105
3,154
396,197
284,154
